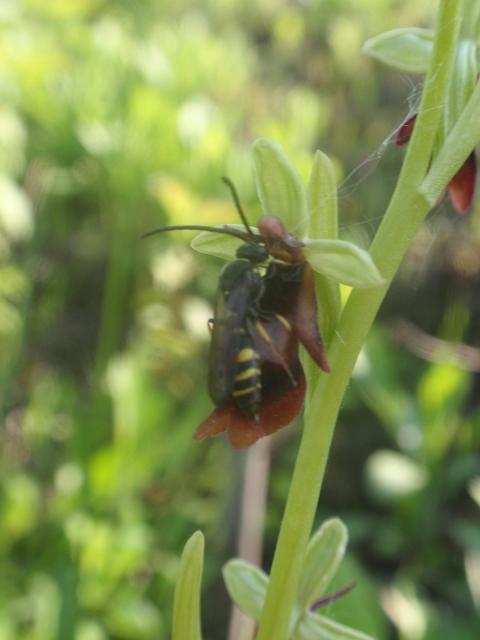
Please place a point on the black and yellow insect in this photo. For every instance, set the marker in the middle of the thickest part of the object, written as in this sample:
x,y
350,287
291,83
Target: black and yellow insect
x,y
234,371
234,363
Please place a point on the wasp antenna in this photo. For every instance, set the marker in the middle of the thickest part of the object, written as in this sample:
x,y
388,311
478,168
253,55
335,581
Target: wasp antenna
x,y
198,227
236,200
174,228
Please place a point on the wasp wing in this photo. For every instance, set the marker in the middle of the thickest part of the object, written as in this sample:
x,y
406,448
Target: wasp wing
x,y
237,293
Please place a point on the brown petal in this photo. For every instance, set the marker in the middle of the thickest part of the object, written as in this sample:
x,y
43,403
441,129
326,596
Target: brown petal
x,y
290,291
280,405
461,187
404,132
304,320
278,411
214,424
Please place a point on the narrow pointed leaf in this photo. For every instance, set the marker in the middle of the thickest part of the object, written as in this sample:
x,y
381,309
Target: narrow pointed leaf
x,y
323,224
403,49
343,262
218,244
322,199
462,82
247,586
317,627
186,607
279,186
325,552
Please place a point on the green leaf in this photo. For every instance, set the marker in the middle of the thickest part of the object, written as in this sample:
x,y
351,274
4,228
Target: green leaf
x,y
186,606
279,186
313,626
403,49
325,552
343,262
247,586
219,244
322,199
323,224
471,20
462,82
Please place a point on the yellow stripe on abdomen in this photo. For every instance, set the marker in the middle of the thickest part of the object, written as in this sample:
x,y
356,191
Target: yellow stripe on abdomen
x,y
244,392
244,355
248,373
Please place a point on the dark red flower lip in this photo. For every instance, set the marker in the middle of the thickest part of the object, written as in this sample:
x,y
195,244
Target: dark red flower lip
x,y
276,412
461,188
283,388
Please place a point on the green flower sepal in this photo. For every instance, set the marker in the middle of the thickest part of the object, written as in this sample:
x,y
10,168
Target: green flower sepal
x,y
312,218
247,586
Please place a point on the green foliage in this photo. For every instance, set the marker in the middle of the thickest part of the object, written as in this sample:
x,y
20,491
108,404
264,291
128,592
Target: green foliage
x,y
117,117
343,262
280,189
247,586
322,199
325,551
279,186
186,609
218,245
323,223
406,49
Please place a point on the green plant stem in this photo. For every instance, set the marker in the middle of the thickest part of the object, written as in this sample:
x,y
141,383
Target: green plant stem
x,y
406,211
455,149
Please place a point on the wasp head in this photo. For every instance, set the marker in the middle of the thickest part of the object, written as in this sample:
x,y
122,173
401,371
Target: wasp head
x,y
255,253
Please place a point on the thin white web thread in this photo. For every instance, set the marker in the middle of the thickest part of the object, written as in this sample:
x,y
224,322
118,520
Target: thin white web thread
x,y
358,175
352,180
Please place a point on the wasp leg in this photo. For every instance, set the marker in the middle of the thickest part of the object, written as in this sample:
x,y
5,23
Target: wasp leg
x,y
269,315
267,339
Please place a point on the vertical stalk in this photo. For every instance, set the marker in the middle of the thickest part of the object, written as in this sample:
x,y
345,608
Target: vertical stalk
x,y
456,147
252,517
405,213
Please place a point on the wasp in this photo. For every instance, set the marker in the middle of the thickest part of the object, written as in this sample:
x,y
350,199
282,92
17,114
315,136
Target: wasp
x,y
265,304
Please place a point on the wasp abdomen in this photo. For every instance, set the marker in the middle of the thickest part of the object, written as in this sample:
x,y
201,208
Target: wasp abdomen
x,y
247,386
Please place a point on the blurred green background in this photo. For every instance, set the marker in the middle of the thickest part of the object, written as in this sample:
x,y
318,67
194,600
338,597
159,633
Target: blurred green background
x,y
116,117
